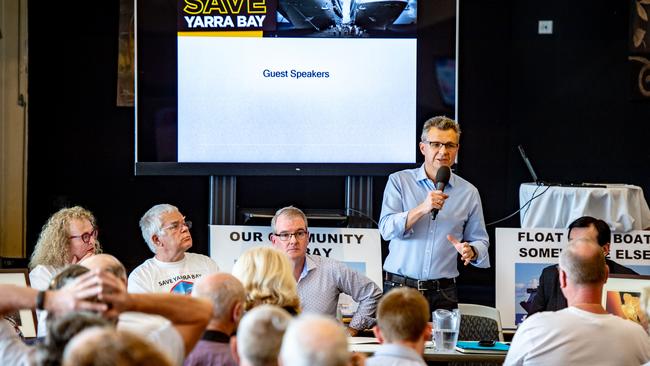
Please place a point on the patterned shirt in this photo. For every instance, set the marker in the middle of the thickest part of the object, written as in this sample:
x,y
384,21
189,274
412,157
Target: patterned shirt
x,y
323,279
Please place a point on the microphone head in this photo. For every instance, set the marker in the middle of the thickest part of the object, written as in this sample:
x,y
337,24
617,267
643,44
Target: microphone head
x,y
443,175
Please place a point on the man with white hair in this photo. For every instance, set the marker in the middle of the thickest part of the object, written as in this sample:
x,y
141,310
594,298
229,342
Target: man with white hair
x,y
172,269
314,340
228,298
259,336
584,333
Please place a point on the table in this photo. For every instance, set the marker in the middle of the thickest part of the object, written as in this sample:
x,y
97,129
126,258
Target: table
x,y
430,355
622,206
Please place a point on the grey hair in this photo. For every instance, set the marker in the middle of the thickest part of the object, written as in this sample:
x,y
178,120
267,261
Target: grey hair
x,y
151,223
259,335
225,294
583,261
289,211
441,123
314,340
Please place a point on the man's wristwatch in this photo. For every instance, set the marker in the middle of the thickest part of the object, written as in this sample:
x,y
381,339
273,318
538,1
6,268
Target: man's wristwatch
x,y
40,300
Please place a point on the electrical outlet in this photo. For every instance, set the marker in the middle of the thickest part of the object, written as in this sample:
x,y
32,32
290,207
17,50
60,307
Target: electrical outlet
x,y
545,27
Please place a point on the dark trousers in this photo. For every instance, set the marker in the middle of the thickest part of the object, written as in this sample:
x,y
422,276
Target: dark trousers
x,y
444,298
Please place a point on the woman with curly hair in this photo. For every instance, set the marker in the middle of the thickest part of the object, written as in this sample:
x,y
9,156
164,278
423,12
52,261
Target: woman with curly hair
x,y
267,276
68,236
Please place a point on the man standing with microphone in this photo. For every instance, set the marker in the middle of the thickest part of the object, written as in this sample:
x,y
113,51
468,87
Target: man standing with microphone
x,y
427,227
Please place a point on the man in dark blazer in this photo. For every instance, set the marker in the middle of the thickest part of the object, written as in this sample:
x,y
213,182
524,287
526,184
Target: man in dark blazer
x,y
549,297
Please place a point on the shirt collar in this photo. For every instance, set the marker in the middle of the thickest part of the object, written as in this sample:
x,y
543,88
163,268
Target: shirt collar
x,y
421,176
215,336
397,350
310,264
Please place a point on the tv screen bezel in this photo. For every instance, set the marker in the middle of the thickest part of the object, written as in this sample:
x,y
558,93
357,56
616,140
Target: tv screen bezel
x,y
150,167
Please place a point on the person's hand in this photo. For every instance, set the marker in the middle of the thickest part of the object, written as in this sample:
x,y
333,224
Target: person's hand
x,y
434,199
77,295
113,293
76,260
467,253
352,332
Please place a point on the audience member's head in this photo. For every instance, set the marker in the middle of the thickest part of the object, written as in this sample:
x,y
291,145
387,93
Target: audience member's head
x,y
61,330
583,263
290,233
106,262
403,316
108,346
67,275
267,276
259,335
228,298
165,230
288,212
68,236
591,228
314,340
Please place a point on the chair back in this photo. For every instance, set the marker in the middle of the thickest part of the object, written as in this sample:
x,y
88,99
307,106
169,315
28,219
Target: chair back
x,y
479,322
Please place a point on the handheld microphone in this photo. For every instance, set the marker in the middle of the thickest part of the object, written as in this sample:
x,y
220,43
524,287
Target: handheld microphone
x,y
442,178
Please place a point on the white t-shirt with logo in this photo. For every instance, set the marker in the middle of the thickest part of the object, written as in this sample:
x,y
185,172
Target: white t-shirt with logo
x,y
154,276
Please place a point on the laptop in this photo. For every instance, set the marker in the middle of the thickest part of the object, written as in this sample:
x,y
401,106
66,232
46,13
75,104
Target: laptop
x,y
546,183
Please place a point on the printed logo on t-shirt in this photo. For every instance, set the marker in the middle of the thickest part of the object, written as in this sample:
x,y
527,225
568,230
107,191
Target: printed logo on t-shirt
x,y
183,288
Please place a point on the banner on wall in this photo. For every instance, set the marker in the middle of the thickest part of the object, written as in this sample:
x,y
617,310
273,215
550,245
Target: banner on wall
x,y
522,254
359,249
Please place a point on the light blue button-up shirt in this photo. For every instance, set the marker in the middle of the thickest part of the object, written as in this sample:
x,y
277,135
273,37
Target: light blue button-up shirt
x,y
423,252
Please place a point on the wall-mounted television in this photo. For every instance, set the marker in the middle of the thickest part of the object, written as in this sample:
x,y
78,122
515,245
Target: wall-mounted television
x,y
289,87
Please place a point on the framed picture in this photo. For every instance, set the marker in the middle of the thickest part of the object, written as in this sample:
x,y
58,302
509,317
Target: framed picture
x,y
25,319
622,296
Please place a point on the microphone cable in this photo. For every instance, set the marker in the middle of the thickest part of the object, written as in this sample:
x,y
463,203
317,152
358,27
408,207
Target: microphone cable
x,y
363,214
520,208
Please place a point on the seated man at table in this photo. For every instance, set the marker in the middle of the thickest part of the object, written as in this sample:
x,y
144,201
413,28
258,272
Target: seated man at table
x,y
172,269
321,280
402,328
584,333
549,295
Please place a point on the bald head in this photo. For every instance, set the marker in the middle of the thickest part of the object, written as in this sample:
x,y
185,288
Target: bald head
x,y
226,293
105,262
108,346
583,261
314,340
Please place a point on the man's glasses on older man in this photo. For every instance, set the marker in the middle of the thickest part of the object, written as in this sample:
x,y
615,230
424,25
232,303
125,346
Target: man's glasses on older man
x,y
174,226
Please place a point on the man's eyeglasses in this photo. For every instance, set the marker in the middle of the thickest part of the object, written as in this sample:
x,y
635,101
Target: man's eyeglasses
x,y
438,145
300,234
177,225
85,237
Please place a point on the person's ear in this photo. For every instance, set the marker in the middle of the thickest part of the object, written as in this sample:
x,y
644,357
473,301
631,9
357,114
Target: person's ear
x,y
606,249
237,312
562,278
427,332
377,332
422,146
233,349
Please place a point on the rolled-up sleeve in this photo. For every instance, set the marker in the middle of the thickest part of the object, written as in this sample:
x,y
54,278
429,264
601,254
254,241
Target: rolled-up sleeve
x,y
392,219
476,235
363,291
